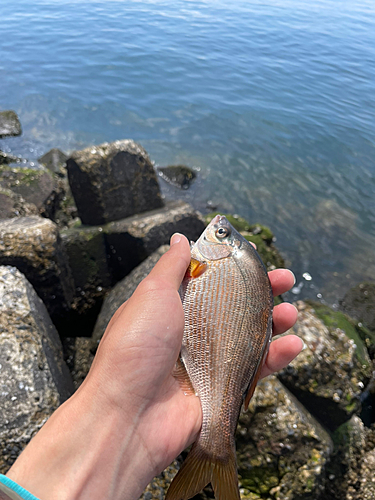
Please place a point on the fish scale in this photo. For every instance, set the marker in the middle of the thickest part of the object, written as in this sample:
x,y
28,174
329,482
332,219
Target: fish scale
x,y
228,321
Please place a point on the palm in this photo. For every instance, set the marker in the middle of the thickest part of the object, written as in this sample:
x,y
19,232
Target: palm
x,y
143,341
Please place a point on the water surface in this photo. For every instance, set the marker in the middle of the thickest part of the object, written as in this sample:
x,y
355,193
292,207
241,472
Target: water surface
x,y
273,102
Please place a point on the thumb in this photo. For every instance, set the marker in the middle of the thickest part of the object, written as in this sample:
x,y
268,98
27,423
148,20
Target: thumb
x,y
171,267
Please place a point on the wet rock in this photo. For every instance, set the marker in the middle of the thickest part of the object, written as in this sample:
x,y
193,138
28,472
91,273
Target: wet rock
x,y
34,379
262,236
79,353
124,290
33,245
282,451
13,205
55,161
5,158
9,124
87,257
112,181
177,175
130,241
351,472
330,374
359,303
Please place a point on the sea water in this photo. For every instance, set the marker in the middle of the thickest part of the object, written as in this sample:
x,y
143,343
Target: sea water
x,y
272,102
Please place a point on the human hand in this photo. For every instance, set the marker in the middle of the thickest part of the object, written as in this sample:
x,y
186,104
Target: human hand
x,y
131,418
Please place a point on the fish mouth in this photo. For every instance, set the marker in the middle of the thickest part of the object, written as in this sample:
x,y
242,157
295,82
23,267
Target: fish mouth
x,y
217,219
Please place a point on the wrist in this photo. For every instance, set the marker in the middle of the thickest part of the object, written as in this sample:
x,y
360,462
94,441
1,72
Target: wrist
x,y
85,451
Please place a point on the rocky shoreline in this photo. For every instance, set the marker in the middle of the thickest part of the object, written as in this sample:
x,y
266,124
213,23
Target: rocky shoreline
x,y
78,234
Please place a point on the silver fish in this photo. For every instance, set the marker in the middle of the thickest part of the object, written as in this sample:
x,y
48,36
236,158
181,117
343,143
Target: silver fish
x,y
228,302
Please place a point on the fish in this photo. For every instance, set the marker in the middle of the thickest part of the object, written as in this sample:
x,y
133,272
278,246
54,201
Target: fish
x,y
228,302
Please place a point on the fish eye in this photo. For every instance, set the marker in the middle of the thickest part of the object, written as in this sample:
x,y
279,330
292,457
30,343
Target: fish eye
x,y
222,232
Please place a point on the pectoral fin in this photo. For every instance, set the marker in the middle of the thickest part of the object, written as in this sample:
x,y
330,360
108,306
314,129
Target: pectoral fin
x,y
181,375
196,268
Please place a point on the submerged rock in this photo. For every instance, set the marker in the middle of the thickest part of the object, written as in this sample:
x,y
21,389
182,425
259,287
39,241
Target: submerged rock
x,y
124,290
178,175
330,374
112,181
9,124
33,245
34,379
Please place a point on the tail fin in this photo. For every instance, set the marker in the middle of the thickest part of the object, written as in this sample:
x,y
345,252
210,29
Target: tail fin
x,y
198,470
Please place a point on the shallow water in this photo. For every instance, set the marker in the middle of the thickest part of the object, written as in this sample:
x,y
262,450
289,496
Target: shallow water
x,y
272,102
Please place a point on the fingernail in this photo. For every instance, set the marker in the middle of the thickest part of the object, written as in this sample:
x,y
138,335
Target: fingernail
x,y
294,278
176,238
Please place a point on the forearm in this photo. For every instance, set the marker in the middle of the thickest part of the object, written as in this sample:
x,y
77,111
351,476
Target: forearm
x,y
85,451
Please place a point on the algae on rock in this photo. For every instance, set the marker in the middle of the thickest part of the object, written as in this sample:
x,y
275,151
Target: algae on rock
x,y
330,374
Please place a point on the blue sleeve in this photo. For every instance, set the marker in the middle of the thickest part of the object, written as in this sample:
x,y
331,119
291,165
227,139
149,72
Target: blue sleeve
x,y
14,490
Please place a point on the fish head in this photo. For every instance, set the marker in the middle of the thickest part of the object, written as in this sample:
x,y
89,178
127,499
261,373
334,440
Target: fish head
x,y
219,240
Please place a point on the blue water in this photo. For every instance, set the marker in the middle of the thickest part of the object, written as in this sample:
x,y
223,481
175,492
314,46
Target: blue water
x,y
273,102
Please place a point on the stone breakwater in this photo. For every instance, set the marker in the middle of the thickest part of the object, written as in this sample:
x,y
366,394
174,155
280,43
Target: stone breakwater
x,y
77,235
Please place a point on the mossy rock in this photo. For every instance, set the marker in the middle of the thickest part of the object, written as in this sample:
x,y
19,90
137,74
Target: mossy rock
x,y
359,304
361,336
330,374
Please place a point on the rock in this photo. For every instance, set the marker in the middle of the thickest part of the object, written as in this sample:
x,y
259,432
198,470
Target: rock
x,y
50,193
130,241
34,379
9,124
37,187
262,236
367,477
329,375
55,161
33,245
178,175
87,257
282,451
124,290
79,353
13,205
112,181
359,303
351,472
5,158
159,485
